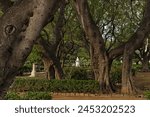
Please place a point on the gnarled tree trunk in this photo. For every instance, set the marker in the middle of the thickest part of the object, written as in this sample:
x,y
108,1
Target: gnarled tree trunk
x,y
99,57
127,83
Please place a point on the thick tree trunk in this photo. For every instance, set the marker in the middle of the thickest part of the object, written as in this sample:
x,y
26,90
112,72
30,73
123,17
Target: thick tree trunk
x,y
53,68
49,69
58,69
127,81
98,53
19,28
101,68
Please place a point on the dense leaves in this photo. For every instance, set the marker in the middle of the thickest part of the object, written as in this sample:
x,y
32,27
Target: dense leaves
x,y
28,96
61,86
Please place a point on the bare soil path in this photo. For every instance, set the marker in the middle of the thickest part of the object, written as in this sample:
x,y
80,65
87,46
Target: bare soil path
x,y
93,97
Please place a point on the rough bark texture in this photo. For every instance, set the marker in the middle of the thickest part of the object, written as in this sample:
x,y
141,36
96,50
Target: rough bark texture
x,y
145,63
127,86
99,58
48,68
19,28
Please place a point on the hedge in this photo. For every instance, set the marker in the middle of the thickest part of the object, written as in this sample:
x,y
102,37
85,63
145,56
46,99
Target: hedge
x,y
28,96
60,86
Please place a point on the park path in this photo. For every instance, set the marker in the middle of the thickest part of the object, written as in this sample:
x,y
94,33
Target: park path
x,y
101,97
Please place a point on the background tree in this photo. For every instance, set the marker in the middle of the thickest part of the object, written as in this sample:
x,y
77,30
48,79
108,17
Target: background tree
x,y
97,43
143,55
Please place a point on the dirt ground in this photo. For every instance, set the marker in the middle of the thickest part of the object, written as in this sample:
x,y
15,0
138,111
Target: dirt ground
x,y
93,97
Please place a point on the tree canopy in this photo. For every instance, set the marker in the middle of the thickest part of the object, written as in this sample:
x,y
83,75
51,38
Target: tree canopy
x,y
100,32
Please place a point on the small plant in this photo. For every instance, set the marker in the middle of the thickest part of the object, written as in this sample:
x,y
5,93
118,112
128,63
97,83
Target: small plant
x,y
147,95
12,96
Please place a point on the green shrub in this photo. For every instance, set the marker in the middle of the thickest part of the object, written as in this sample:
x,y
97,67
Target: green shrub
x,y
116,76
37,96
12,96
135,68
76,73
28,96
147,94
62,86
116,71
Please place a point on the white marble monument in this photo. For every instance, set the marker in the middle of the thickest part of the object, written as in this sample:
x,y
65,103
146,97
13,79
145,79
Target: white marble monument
x,y
33,73
77,62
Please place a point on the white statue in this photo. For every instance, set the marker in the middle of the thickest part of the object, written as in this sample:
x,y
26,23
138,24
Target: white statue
x,y
33,73
77,62
146,45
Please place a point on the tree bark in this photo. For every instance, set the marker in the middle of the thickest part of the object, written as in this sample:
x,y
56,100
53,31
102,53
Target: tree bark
x,y
5,4
48,68
127,83
19,28
99,57
145,63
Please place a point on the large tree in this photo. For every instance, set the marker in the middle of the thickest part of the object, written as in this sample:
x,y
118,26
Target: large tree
x,y
51,46
101,59
20,26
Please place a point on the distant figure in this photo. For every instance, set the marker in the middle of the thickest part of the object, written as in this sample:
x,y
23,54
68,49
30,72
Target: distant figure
x,y
33,73
77,62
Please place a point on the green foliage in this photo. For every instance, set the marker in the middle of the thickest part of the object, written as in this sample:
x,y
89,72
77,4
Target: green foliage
x,y
12,96
76,73
37,96
35,55
147,95
117,20
28,96
136,68
62,86
116,76
116,72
